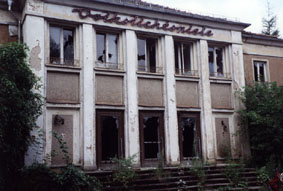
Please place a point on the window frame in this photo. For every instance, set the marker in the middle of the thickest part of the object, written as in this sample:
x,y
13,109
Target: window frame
x,y
265,68
147,68
109,65
75,30
181,58
226,60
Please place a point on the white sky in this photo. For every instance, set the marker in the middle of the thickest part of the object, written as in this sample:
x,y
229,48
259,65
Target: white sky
x,y
247,11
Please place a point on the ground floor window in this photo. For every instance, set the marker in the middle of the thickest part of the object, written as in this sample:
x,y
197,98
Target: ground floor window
x,y
189,135
151,137
110,136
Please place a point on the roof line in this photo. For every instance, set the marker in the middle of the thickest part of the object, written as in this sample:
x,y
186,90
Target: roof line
x,y
162,9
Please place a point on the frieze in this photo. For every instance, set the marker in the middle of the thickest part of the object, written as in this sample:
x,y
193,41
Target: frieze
x,y
138,21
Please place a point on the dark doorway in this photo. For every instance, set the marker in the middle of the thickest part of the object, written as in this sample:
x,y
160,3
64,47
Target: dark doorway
x,y
189,135
110,136
151,138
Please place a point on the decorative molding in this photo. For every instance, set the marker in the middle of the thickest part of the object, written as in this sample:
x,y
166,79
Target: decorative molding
x,y
141,22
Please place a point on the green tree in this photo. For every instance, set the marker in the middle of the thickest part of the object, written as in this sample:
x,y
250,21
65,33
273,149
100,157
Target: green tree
x,y
262,115
269,23
20,105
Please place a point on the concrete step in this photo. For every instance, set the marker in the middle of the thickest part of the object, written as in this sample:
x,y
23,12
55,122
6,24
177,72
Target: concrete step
x,y
177,179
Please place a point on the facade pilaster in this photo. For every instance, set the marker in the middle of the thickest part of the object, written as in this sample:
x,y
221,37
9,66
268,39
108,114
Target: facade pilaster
x,y
208,146
171,122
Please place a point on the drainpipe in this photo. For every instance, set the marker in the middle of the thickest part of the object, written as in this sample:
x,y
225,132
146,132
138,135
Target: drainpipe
x,y
10,2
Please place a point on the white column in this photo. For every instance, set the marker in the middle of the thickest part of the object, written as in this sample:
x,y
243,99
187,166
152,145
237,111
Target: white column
x,y
33,33
131,98
208,146
171,123
89,146
241,145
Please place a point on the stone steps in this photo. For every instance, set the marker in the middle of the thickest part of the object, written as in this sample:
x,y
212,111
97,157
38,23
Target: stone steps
x,y
178,179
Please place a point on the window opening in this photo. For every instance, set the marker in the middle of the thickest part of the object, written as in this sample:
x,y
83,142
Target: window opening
x,y
215,59
189,137
147,55
152,142
61,46
107,50
109,137
259,71
182,58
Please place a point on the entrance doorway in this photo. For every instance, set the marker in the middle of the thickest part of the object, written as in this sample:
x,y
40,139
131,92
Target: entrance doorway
x,y
189,136
151,138
109,137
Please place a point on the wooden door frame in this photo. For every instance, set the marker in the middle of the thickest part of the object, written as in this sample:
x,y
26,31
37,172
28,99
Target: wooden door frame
x,y
196,115
160,114
121,134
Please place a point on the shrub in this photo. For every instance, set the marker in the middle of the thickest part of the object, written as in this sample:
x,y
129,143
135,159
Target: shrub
x,y
20,106
38,177
123,171
262,115
74,179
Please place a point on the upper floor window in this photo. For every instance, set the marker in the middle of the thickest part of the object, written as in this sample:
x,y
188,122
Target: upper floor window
x,y
260,71
107,50
61,45
183,59
147,51
216,61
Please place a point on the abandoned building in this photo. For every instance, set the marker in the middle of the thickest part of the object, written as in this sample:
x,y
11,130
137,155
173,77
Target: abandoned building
x,y
125,77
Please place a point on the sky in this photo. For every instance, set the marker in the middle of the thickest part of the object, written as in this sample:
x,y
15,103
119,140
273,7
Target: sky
x,y
247,11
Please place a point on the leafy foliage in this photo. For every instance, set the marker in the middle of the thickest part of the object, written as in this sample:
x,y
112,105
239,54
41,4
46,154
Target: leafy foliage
x,y
263,116
269,23
197,169
74,179
233,172
20,106
38,177
63,147
262,175
123,171
71,178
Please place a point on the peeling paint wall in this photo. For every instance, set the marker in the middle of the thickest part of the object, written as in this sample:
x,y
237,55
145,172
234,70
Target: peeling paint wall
x,y
78,91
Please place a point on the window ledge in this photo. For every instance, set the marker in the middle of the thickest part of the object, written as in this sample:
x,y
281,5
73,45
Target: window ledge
x,y
220,80
177,76
149,75
60,105
224,110
63,66
109,70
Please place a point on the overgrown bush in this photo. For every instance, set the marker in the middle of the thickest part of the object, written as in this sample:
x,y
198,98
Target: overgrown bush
x,y
123,170
20,106
38,177
262,115
73,179
197,169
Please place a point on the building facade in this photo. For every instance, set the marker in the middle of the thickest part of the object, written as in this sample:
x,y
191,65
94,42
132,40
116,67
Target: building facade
x,y
127,78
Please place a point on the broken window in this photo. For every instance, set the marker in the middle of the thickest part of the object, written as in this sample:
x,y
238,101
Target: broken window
x,y
107,50
260,71
151,137
189,137
61,45
182,58
216,61
147,55
109,136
